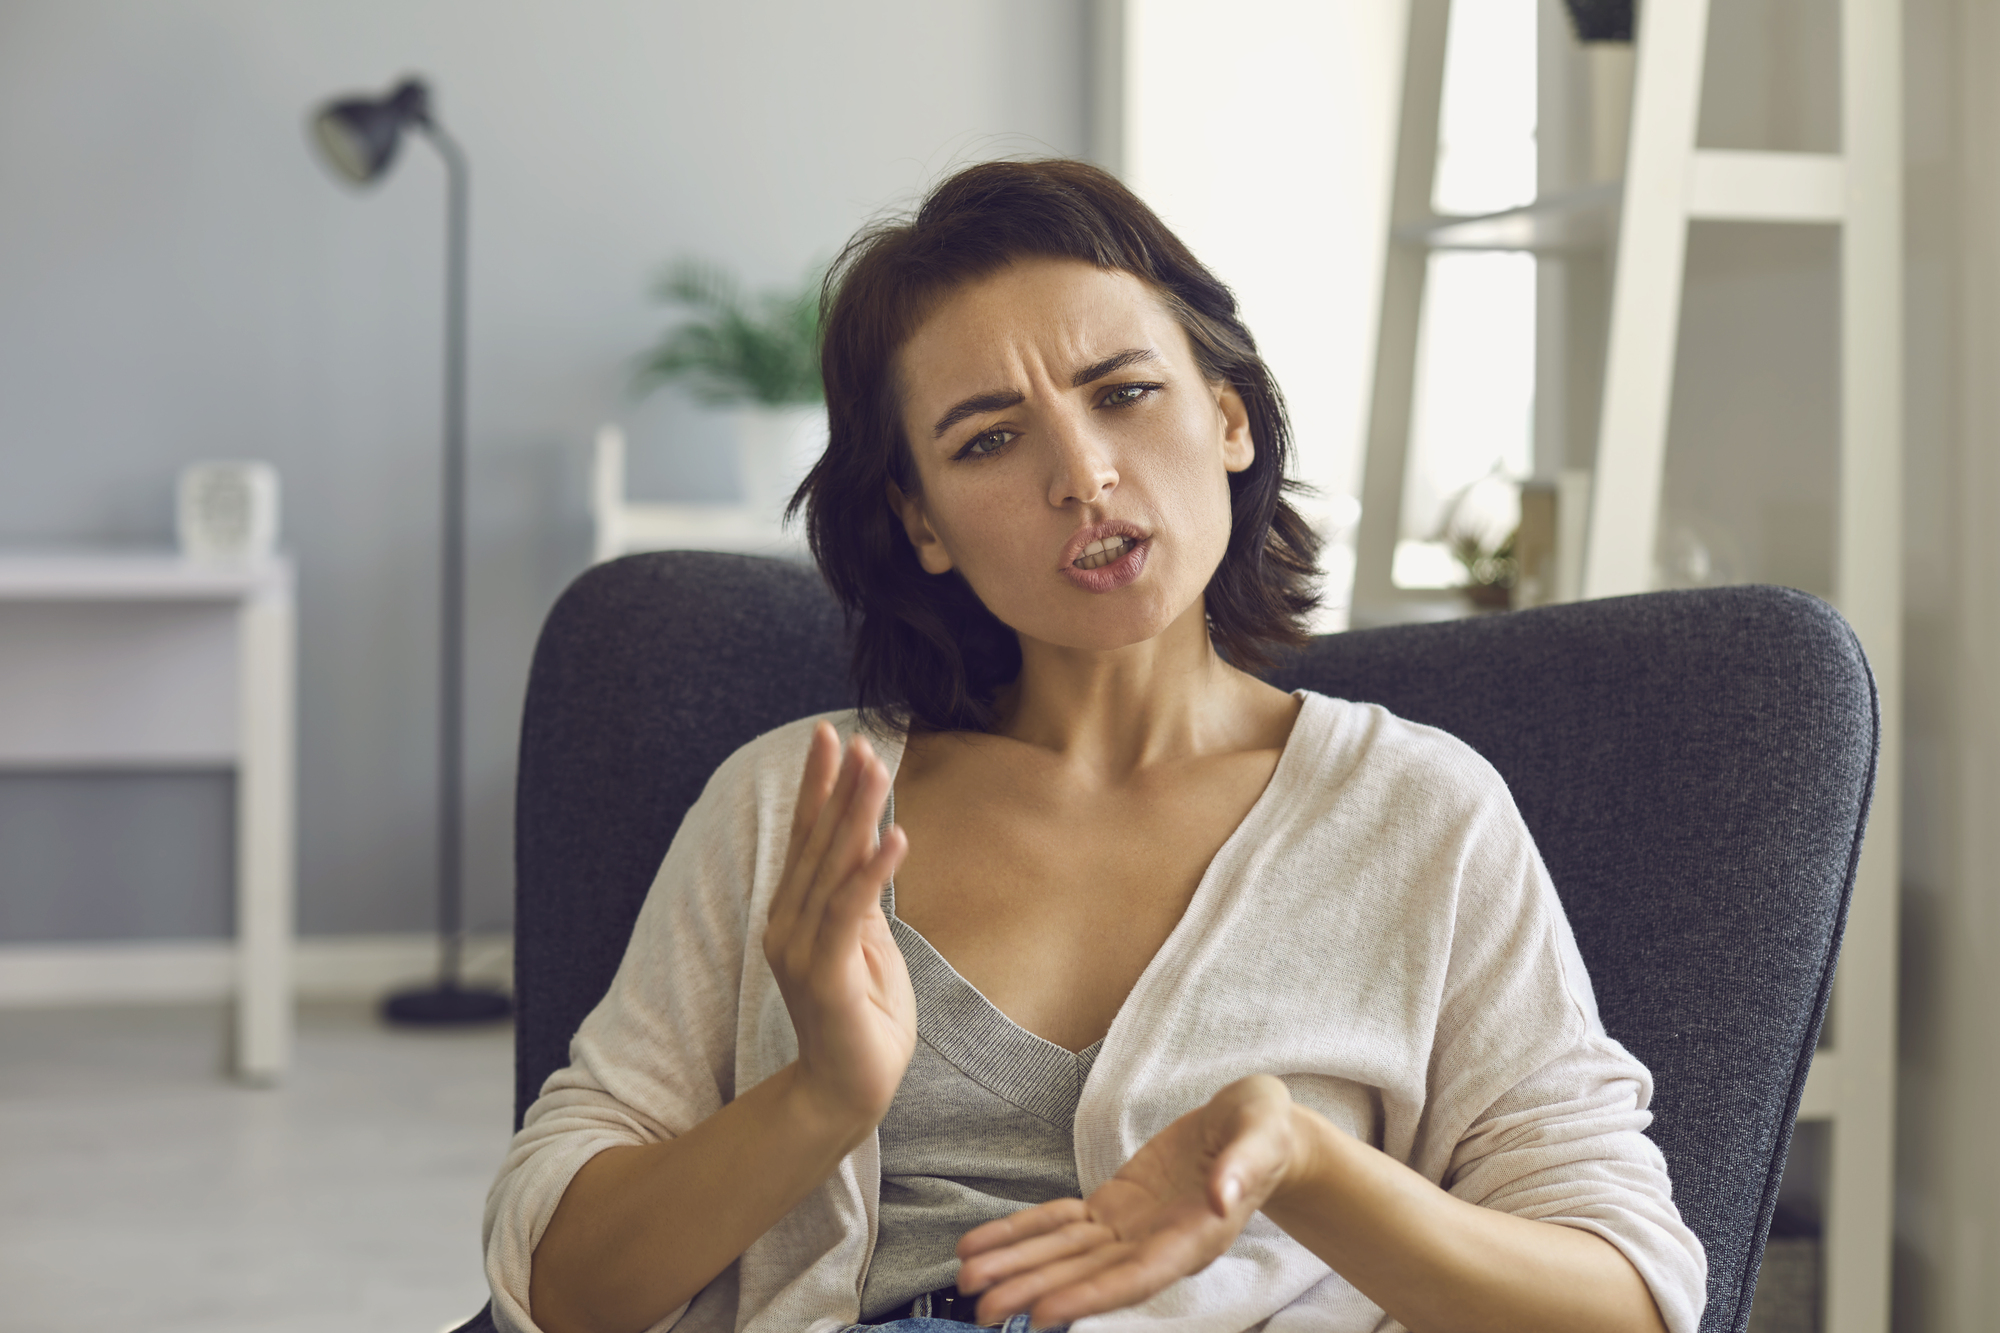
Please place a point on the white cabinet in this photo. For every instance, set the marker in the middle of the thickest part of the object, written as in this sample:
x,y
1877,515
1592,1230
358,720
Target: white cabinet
x,y
150,661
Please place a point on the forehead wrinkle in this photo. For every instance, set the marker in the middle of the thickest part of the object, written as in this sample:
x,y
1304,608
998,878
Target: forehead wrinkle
x,y
998,400
1063,333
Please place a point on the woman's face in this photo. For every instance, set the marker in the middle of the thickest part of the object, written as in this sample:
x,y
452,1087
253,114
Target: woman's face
x,y
1073,461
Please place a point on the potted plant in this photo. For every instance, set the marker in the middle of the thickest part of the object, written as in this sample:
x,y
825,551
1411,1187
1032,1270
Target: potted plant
x,y
759,358
1481,526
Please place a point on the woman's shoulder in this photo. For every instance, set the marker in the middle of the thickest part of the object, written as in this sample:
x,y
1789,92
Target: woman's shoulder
x,y
1364,748
1420,818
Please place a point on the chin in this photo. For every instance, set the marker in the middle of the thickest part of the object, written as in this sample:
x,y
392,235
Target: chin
x,y
1102,643
1107,632
1062,616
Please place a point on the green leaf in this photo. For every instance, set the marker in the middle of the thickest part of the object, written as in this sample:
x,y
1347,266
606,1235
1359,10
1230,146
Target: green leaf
x,y
729,351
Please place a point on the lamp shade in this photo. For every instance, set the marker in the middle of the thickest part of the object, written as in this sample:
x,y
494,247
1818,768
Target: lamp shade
x,y
1602,20
358,136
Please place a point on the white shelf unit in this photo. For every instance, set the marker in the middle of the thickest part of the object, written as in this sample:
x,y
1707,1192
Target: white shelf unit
x,y
622,527
120,660
1641,221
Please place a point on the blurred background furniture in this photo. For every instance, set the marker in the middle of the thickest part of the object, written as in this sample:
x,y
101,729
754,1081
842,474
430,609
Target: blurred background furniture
x,y
1696,768
623,527
1619,236
123,661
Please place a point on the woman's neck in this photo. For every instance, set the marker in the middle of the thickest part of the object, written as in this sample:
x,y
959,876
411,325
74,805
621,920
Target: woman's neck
x,y
1167,699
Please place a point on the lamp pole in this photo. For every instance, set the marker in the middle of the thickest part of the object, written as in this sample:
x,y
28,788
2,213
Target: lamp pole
x,y
357,137
451,632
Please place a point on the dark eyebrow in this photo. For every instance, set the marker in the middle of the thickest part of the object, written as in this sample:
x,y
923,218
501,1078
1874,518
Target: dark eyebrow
x,y
1116,361
991,401
996,400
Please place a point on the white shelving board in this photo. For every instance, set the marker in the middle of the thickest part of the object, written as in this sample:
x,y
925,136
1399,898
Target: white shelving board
x,y
622,526
1668,183
1642,221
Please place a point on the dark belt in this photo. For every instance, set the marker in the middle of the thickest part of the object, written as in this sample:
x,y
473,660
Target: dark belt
x,y
944,1303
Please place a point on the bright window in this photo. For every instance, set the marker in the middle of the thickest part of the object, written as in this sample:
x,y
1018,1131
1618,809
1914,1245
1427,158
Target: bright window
x,y
1262,132
1473,419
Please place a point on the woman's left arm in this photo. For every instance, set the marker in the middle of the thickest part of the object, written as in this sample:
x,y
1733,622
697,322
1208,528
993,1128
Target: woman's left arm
x,y
1436,1263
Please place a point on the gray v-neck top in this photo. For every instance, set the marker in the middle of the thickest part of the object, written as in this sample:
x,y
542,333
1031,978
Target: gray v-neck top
x,y
983,1125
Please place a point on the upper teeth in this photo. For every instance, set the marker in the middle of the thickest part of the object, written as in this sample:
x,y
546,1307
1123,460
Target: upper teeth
x,y
1102,552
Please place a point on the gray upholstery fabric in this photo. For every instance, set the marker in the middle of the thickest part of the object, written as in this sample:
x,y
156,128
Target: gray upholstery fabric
x,y
650,672
1696,768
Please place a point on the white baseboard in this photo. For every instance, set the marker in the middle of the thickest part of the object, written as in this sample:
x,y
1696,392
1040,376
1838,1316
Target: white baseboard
x,y
324,967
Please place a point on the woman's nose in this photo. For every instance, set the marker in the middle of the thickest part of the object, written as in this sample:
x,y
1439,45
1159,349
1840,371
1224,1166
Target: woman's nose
x,y
1084,472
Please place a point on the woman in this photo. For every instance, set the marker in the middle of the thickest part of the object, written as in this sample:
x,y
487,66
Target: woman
x,y
1150,993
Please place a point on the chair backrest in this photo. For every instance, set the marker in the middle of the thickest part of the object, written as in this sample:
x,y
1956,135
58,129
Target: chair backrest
x,y
1695,767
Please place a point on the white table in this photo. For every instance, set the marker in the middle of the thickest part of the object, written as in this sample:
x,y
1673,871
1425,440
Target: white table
x,y
624,527
143,660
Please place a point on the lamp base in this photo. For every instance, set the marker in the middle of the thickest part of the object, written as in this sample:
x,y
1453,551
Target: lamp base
x,y
446,1006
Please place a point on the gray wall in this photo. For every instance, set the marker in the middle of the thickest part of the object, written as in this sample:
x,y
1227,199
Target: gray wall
x,y
179,279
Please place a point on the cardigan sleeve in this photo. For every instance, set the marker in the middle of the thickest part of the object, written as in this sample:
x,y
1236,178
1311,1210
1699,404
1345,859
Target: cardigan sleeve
x,y
1535,1111
1567,1145
657,1055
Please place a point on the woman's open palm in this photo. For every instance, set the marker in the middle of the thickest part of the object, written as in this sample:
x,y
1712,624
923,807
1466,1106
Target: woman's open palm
x,y
827,941
1169,1212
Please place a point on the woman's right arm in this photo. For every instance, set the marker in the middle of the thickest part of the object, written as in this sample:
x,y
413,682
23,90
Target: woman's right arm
x,y
641,1229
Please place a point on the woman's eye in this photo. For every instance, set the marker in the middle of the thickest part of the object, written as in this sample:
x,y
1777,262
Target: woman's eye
x,y
1124,395
985,446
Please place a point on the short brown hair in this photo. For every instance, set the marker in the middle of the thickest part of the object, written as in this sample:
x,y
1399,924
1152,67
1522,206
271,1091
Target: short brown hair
x,y
924,645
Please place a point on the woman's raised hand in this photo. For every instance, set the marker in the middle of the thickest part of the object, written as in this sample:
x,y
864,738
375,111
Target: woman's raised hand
x,y
1171,1211
827,941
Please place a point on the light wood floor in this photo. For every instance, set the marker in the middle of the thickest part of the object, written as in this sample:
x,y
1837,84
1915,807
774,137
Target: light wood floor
x,y
141,1190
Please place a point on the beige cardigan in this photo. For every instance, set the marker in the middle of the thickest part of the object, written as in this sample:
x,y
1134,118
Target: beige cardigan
x,y
1379,932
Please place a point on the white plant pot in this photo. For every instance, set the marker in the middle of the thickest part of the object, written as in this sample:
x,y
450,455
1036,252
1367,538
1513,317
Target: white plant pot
x,y
775,448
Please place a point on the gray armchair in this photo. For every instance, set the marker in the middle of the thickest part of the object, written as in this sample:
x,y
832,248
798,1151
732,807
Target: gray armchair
x,y
1696,768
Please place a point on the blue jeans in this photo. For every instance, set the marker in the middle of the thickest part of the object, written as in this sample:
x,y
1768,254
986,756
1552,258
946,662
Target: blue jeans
x,y
1017,1323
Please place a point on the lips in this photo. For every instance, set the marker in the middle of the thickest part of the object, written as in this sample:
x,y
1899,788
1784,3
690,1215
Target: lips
x,y
1105,556
1090,544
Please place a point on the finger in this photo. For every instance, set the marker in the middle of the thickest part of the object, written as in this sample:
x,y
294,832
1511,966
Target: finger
x,y
816,780
854,836
819,787
815,783
859,898
827,820
1130,1275
1225,1190
804,875
1029,1289
1244,1176
1250,1165
853,842
1028,1222
995,1267
1243,1173
816,940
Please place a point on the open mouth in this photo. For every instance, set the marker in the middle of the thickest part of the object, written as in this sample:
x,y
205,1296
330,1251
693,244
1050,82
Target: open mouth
x,y
1103,551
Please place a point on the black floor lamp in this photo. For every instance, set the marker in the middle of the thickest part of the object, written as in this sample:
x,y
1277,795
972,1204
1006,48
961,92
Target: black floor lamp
x,y
358,137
